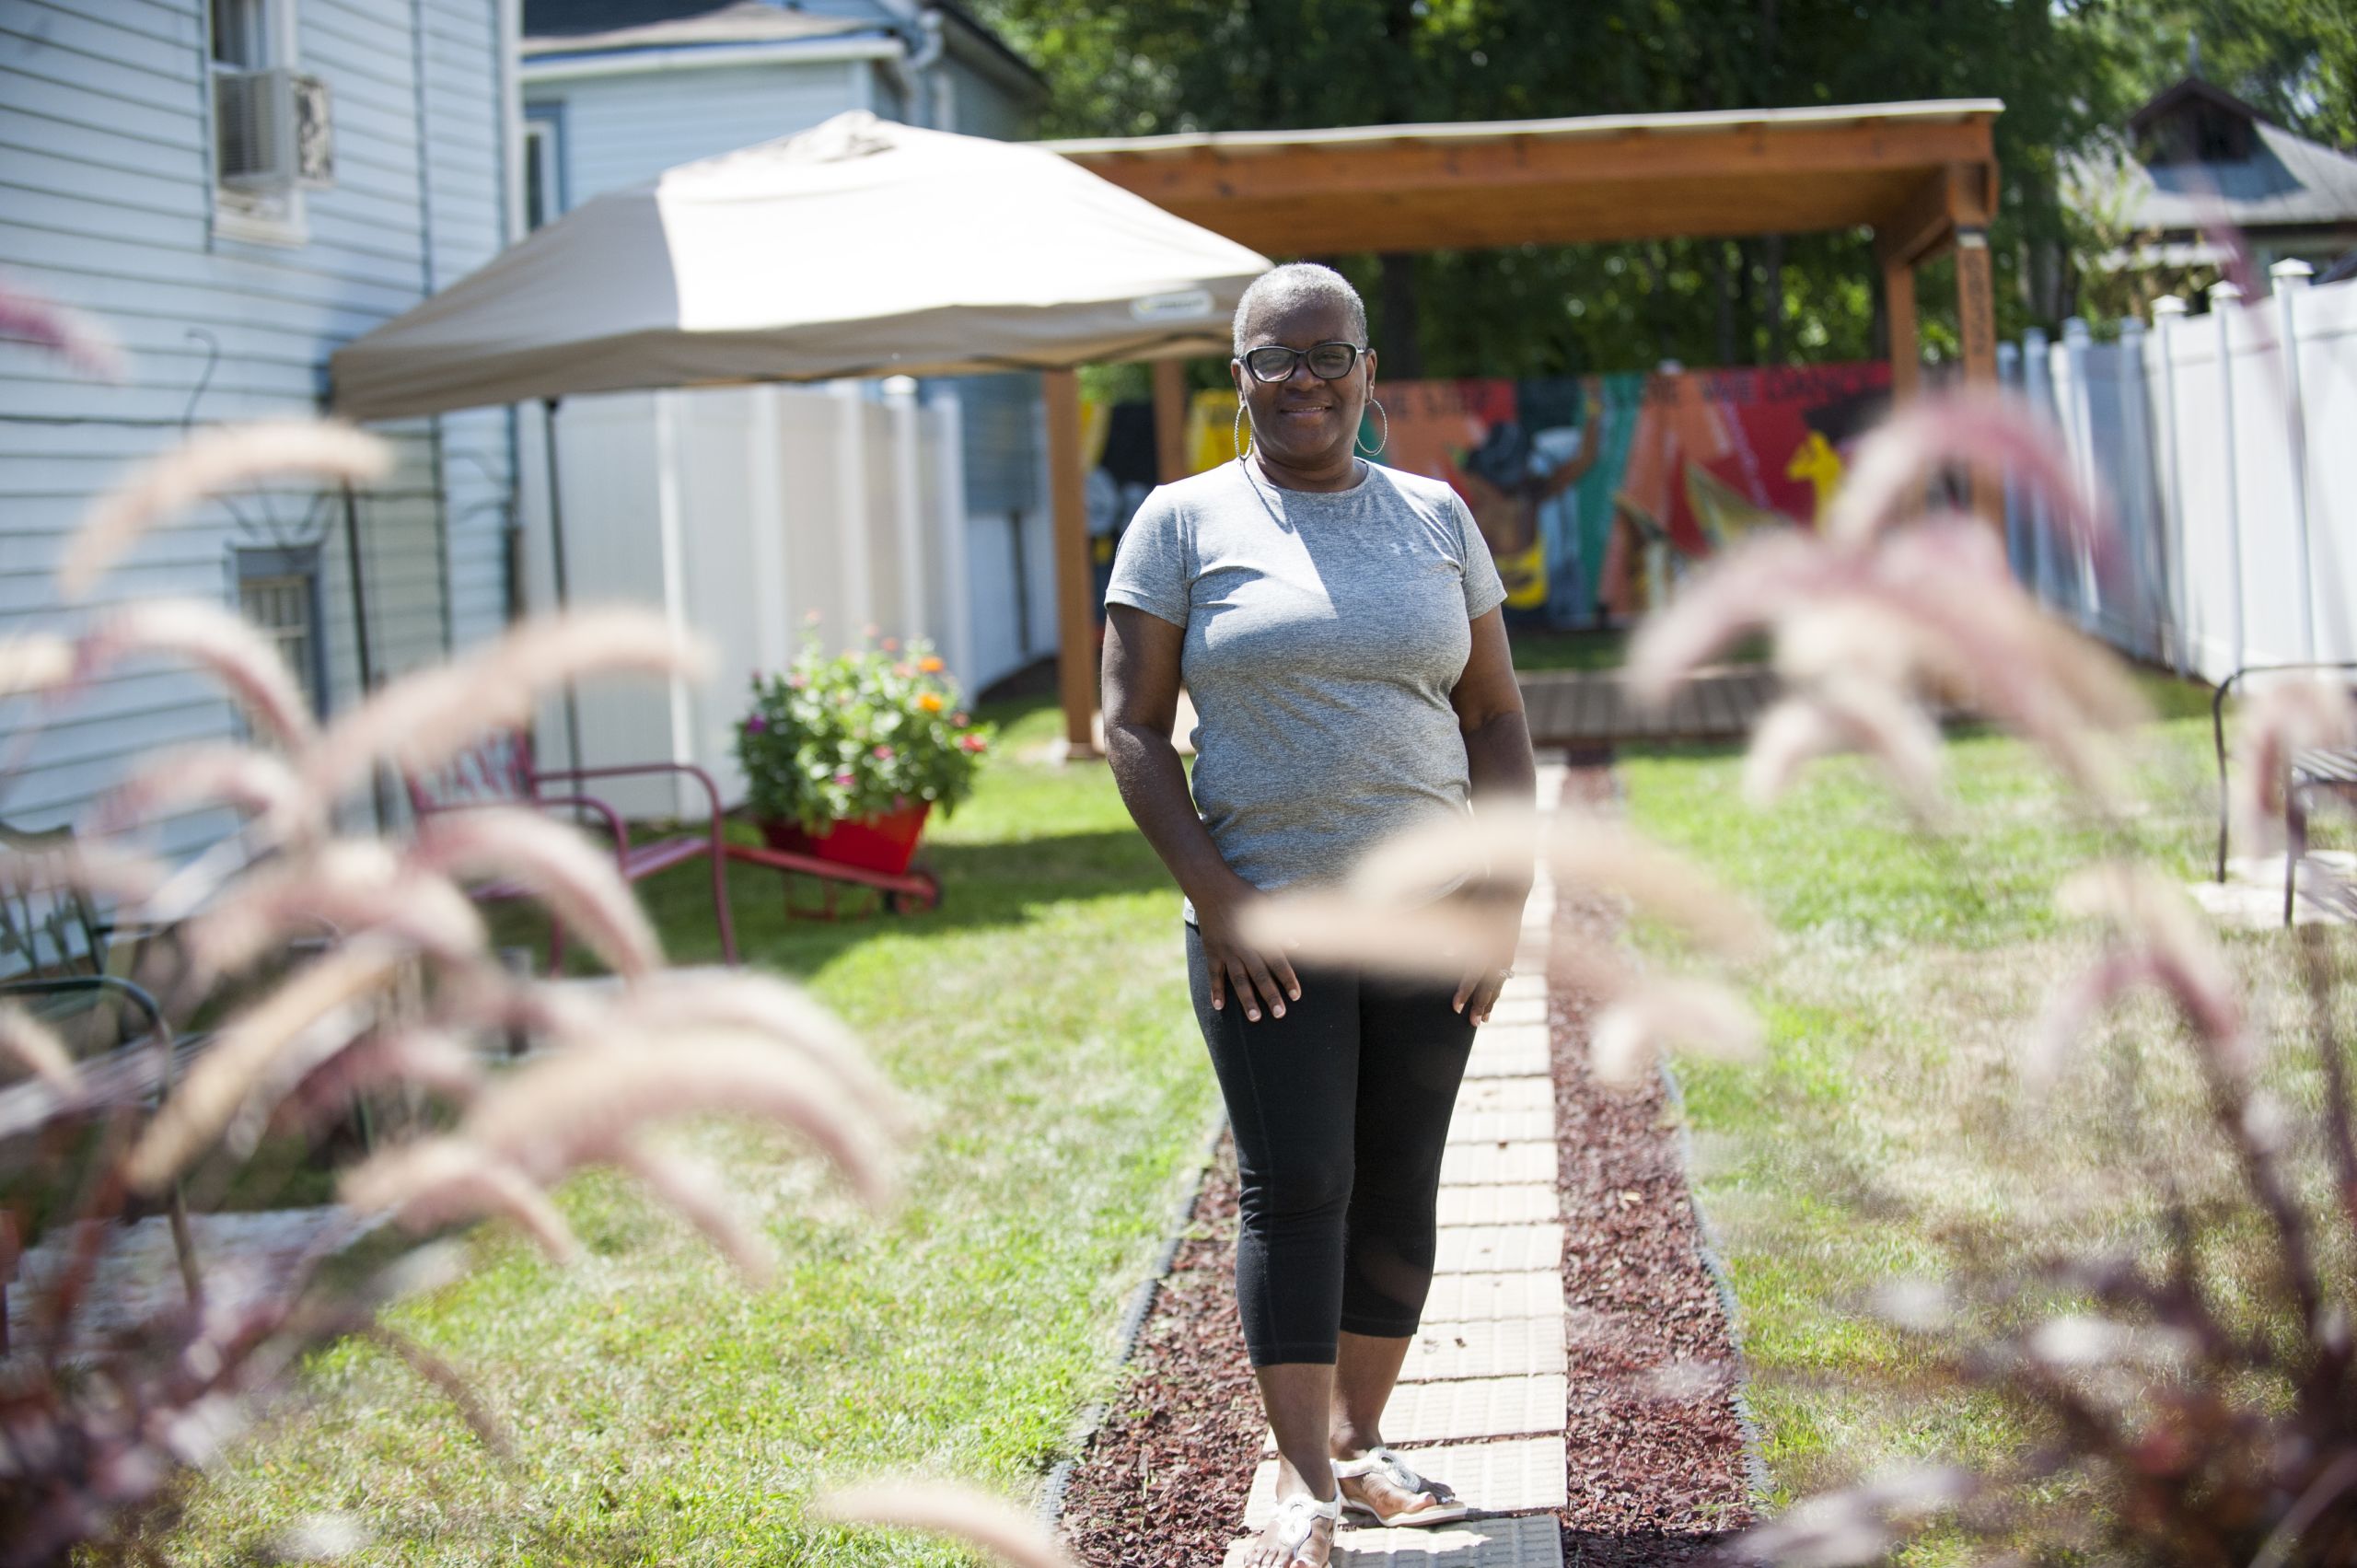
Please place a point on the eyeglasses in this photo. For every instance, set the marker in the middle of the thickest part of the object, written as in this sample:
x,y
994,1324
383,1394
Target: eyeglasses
x,y
1327,362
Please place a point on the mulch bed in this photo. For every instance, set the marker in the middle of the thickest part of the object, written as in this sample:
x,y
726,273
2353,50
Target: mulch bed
x,y
1657,1463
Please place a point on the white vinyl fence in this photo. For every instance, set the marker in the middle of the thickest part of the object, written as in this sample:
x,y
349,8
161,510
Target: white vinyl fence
x,y
2228,446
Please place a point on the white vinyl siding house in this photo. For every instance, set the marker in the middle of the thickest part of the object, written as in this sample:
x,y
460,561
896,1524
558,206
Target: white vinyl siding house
x,y
624,89
228,304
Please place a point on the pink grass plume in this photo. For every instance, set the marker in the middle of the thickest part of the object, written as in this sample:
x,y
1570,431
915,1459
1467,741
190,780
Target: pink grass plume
x,y
772,1006
1985,427
214,462
420,720
255,783
349,887
1836,717
2166,945
1435,940
78,339
1662,1015
439,1181
1745,589
34,663
1399,875
216,641
590,1102
700,1195
259,1055
37,1047
977,1517
560,867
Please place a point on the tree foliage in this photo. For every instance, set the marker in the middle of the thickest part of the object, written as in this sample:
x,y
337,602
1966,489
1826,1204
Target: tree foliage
x,y
2066,70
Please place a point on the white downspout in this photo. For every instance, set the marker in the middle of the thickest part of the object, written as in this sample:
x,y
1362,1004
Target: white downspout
x,y
912,73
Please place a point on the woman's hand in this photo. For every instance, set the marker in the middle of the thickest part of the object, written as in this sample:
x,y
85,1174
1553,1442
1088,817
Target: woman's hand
x,y
1492,963
1260,978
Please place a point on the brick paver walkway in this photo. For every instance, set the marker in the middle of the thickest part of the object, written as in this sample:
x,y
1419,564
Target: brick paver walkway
x,y
1481,1402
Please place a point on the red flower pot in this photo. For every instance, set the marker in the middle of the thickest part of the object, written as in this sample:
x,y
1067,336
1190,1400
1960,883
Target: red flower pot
x,y
883,843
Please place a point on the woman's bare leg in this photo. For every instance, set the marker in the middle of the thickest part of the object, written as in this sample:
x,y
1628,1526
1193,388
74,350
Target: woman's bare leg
x,y
1366,1368
1299,1398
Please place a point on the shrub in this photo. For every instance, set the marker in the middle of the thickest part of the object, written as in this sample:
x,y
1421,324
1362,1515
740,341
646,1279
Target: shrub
x,y
865,732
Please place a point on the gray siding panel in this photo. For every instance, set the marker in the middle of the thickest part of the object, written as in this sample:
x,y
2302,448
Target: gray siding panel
x,y
624,131
106,204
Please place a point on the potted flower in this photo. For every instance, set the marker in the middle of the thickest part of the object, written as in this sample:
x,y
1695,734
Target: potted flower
x,y
844,756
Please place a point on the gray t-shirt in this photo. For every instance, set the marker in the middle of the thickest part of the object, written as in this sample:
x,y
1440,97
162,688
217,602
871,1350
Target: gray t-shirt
x,y
1325,631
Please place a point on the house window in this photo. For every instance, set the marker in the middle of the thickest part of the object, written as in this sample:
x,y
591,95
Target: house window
x,y
278,591
543,171
241,34
246,37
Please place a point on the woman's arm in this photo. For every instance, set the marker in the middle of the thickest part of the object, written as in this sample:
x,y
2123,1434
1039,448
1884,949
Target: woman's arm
x,y
1140,678
1488,700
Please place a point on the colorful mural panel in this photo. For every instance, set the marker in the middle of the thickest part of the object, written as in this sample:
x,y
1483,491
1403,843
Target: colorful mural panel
x,y
1593,492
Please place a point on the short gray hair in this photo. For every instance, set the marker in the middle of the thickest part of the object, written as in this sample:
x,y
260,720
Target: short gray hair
x,y
1297,284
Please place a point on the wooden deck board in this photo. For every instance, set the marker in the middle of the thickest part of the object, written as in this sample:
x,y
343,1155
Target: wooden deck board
x,y
1591,708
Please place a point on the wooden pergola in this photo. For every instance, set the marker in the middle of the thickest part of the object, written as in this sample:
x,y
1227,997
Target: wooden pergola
x,y
1921,175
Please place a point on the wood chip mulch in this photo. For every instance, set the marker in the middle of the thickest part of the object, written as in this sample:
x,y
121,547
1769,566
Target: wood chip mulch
x,y
1657,1465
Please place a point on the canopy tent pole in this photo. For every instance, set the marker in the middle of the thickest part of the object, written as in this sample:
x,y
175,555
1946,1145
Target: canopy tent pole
x,y
1075,580
557,579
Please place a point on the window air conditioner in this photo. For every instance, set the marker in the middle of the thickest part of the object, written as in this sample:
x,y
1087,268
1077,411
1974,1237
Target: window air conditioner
x,y
272,131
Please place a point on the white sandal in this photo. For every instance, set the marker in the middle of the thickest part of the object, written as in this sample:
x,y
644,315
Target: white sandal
x,y
1296,1521
1447,1508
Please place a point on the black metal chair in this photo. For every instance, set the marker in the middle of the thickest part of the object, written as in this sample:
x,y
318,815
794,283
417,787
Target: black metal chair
x,y
60,960
2332,772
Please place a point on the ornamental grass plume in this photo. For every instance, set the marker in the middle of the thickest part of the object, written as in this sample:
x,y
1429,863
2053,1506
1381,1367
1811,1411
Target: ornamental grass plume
x,y
976,1517
210,463
81,340
1579,849
36,1047
260,1056
422,720
559,865
768,1006
257,784
1970,426
34,663
1635,1032
216,641
345,971
350,885
2186,1392
580,1105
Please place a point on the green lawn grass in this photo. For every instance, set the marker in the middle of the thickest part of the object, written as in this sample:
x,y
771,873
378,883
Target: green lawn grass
x,y
1888,1131
662,1412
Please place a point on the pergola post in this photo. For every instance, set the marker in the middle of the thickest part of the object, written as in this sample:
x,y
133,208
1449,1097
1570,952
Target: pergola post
x,y
1075,580
1169,420
1976,308
1906,342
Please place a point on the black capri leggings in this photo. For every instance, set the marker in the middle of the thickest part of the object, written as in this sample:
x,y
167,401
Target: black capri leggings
x,y
1341,1110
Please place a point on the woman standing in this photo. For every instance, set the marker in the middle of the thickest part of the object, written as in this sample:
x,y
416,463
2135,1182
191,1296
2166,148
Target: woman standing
x,y
1337,625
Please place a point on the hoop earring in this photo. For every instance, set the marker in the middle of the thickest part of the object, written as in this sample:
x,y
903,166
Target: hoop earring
x,y
1381,441
1235,432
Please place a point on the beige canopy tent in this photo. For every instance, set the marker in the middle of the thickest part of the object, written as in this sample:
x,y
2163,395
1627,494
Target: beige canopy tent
x,y
861,247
